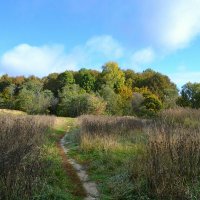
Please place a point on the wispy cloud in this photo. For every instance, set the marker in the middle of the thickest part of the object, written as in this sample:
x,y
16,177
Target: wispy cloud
x,y
106,46
171,24
143,56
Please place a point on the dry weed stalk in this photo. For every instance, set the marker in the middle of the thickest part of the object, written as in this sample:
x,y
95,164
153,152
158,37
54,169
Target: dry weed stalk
x,y
104,125
174,154
20,141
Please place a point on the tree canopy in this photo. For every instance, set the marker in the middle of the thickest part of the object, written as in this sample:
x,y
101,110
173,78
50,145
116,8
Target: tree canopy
x,y
112,91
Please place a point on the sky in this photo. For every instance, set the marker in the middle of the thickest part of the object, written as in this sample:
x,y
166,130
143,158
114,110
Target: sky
x,y
38,37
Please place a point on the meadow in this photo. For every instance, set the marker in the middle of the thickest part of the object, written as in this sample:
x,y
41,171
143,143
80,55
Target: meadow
x,y
128,157
131,158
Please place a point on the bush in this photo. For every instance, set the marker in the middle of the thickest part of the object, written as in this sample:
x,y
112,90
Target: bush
x,y
82,104
146,104
113,101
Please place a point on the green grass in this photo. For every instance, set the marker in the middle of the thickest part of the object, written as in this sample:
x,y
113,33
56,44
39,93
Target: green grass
x,y
56,183
110,167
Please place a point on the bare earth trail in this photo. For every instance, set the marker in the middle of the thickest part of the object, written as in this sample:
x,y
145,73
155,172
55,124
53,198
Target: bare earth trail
x,y
89,186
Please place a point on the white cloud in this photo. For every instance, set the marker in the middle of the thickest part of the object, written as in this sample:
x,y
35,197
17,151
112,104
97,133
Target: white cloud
x,y
183,23
26,59
173,24
42,60
143,56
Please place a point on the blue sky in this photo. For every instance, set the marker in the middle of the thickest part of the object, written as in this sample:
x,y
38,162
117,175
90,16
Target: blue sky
x,y
43,36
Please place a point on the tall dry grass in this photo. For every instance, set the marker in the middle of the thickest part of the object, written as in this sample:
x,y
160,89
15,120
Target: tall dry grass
x,y
169,165
105,125
186,117
20,166
107,133
173,160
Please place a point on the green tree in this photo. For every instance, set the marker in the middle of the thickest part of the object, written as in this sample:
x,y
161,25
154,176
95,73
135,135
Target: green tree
x,y
65,78
50,83
114,104
33,100
113,76
5,81
74,101
8,97
86,79
130,78
158,84
65,98
190,95
152,104
34,79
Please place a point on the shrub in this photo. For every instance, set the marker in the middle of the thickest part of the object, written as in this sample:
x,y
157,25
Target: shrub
x,y
82,104
146,104
113,101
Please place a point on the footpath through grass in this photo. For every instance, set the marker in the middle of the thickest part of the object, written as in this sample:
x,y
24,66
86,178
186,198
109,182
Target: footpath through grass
x,y
109,161
59,185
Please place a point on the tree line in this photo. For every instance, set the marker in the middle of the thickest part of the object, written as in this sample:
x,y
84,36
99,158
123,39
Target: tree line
x,y
112,91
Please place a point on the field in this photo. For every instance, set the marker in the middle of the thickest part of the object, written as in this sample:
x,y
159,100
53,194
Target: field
x,y
129,158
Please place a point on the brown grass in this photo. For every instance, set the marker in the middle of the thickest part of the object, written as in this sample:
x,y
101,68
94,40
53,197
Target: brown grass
x,y
20,139
174,155
186,117
104,125
169,165
107,133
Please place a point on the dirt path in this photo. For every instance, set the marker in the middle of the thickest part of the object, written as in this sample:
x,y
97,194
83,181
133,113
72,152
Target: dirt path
x,y
89,186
